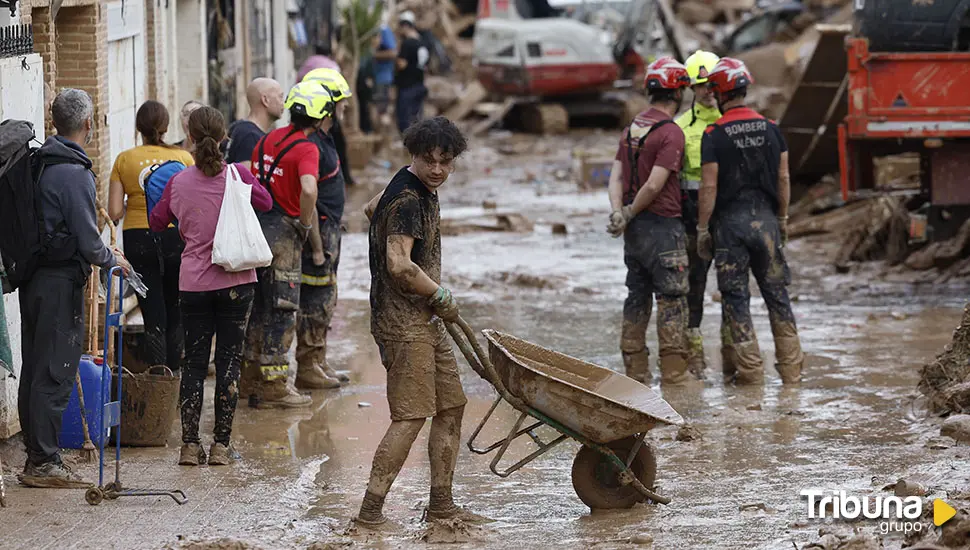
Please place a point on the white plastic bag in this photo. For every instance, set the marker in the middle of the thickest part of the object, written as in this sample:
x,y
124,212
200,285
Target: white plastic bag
x,y
239,243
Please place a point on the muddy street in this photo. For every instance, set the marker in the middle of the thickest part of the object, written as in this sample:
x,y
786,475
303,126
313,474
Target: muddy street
x,y
854,423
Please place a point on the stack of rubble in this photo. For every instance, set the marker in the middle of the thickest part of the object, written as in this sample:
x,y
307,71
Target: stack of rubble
x,y
946,381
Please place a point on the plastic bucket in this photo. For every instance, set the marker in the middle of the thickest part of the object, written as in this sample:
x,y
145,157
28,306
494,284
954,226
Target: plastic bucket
x,y
149,406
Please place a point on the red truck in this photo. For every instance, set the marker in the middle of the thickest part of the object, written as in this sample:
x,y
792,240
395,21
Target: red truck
x,y
901,102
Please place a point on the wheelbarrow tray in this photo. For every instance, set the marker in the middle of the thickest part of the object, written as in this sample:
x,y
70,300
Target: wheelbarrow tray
x,y
594,401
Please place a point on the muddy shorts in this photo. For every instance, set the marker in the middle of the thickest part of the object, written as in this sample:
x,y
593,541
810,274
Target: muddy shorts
x,y
422,378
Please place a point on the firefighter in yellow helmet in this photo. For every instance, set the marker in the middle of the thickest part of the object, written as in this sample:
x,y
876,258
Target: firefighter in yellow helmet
x,y
703,111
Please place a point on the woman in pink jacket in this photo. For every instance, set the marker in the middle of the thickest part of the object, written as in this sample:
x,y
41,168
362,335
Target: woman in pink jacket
x,y
213,300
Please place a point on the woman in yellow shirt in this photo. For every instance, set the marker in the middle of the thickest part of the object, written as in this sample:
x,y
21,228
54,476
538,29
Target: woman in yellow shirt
x,y
155,256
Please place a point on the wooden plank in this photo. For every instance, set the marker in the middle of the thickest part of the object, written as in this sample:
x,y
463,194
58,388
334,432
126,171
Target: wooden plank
x,y
474,94
496,116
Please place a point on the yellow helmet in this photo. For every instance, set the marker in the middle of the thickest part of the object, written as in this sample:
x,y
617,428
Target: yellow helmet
x,y
310,99
332,80
699,64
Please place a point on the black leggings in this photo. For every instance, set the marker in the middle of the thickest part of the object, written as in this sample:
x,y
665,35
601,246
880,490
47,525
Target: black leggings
x,y
157,257
225,314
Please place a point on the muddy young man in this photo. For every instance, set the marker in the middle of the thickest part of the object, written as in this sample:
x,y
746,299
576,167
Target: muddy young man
x,y
645,195
407,308
742,225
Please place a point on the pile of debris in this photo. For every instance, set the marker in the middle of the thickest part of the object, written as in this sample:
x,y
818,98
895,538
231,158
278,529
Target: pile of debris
x,y
946,381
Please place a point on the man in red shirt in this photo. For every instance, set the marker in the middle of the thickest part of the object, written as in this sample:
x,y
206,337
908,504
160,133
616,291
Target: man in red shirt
x,y
287,164
645,196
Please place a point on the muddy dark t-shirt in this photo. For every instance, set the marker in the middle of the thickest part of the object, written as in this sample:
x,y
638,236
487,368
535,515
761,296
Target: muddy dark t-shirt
x,y
407,208
243,137
747,149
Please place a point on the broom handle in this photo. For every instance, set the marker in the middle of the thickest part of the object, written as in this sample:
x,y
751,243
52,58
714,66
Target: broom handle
x,y
80,402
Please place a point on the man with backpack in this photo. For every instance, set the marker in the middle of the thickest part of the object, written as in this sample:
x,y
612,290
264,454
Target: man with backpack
x,y
50,265
287,165
645,195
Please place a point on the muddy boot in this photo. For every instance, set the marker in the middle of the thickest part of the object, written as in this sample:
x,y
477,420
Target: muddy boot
x,y
673,370
191,454
788,352
459,513
695,353
341,376
222,455
249,385
750,367
313,377
277,394
52,475
729,360
638,365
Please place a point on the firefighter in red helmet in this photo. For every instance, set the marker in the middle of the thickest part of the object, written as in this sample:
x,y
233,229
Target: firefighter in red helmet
x,y
743,213
645,196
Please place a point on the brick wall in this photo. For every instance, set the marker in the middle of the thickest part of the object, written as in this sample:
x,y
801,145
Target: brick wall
x,y
40,21
152,48
82,62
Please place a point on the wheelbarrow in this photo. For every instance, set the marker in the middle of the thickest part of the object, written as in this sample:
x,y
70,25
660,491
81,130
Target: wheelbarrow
x,y
608,413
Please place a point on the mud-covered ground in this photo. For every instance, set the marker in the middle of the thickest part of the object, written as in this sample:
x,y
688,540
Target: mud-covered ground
x,y
854,423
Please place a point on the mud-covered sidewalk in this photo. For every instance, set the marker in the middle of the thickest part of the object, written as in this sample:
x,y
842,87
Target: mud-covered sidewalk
x,y
854,424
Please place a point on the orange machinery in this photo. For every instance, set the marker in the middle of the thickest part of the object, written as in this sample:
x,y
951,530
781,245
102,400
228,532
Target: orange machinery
x,y
910,102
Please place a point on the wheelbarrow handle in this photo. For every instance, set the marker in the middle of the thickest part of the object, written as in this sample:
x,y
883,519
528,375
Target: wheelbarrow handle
x,y
479,361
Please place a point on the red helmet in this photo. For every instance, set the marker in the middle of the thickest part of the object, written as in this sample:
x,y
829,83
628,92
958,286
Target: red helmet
x,y
729,74
666,73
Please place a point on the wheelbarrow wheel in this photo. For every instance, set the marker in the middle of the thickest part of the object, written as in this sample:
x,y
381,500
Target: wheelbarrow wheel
x,y
596,480
93,496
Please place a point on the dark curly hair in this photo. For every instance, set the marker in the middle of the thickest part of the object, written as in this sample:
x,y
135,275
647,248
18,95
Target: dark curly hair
x,y
423,137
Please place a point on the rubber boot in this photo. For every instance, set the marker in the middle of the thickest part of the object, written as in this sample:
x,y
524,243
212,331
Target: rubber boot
x,y
249,384
750,367
673,370
314,377
277,394
788,352
340,376
695,353
637,365
729,360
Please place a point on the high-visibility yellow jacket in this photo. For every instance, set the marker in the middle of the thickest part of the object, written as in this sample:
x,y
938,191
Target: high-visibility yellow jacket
x,y
693,122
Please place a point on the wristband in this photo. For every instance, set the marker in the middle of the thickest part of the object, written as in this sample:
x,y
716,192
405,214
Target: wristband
x,y
783,218
306,227
701,229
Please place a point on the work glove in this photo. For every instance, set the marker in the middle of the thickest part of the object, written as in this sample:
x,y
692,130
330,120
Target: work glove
x,y
783,228
444,305
705,244
619,219
617,223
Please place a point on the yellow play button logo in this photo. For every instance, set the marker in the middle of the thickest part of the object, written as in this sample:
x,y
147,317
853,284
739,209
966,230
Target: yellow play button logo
x,y
942,512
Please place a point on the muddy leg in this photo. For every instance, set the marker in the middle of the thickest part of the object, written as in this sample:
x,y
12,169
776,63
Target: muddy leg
x,y
388,460
636,317
198,320
773,276
671,334
732,280
788,348
729,366
697,279
232,316
443,446
312,325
